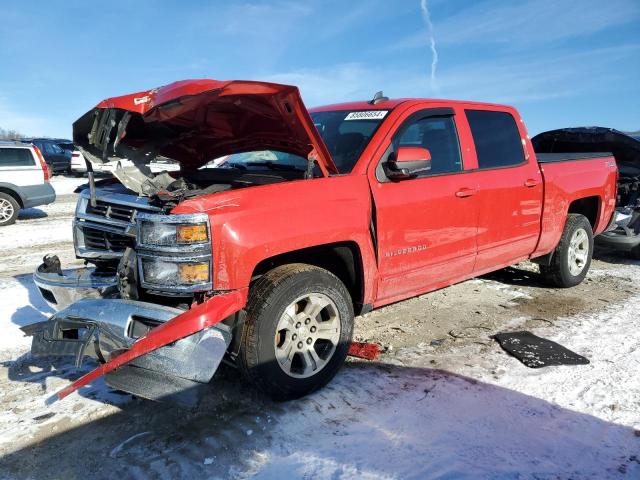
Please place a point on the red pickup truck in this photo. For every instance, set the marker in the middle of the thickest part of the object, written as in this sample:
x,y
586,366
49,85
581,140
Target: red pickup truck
x,y
283,224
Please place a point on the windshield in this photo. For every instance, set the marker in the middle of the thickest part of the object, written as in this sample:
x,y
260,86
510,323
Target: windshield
x,y
346,133
262,160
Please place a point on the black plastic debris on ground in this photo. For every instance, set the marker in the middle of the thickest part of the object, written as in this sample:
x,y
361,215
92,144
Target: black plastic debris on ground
x,y
536,352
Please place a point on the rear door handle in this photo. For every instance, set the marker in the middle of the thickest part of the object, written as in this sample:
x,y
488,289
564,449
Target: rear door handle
x,y
466,192
530,182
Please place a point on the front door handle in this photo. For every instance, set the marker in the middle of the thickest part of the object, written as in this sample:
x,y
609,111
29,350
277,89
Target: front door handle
x,y
466,192
531,182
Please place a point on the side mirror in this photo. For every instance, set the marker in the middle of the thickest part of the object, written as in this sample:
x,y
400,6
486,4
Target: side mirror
x,y
408,162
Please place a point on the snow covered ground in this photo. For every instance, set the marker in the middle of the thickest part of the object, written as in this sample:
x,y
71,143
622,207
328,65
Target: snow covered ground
x,y
458,409
66,185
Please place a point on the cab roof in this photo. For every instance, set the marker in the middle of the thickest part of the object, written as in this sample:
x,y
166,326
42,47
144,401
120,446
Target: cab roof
x,y
392,103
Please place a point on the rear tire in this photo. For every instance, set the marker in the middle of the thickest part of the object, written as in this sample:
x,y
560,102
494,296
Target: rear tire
x,y
572,257
9,209
298,331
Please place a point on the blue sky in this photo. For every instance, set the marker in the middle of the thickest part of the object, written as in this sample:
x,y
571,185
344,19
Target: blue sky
x,y
561,62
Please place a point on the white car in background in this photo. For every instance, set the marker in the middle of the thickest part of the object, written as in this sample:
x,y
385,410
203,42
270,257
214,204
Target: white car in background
x,y
24,180
163,164
79,167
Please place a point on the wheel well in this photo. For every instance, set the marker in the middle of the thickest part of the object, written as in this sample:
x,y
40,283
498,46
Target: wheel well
x,y
12,193
589,207
342,259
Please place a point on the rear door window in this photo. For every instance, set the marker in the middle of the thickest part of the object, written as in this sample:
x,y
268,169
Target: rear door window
x,y
16,157
496,137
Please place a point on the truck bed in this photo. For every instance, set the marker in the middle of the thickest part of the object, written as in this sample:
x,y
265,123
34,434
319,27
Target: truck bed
x,y
569,157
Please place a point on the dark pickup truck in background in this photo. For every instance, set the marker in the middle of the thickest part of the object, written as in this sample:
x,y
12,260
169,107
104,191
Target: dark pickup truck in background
x,y
624,232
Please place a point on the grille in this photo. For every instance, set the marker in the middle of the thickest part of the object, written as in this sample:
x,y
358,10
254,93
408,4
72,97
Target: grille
x,y
103,226
100,240
116,212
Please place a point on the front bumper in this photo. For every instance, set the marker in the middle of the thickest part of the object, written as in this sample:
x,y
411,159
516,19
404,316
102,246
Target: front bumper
x,y
105,328
60,291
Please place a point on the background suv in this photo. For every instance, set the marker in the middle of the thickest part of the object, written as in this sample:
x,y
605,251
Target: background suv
x,y
24,180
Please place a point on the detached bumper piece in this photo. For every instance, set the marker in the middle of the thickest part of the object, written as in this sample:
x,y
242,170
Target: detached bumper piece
x,y
107,328
624,233
62,288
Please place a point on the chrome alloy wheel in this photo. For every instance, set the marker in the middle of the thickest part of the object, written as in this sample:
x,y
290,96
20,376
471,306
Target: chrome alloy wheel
x,y
307,335
6,210
578,251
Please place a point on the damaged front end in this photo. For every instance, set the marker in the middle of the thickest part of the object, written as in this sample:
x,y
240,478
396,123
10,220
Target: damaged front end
x,y
152,351
623,233
146,305
147,313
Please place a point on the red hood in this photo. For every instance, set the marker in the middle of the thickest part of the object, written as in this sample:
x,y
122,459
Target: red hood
x,y
195,121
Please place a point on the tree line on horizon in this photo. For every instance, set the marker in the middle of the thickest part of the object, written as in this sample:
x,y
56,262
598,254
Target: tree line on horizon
x,y
10,134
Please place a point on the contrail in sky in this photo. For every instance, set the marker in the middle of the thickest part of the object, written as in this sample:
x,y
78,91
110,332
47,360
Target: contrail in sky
x,y
432,41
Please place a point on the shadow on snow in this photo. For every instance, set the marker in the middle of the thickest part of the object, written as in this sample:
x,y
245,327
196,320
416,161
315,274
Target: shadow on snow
x,y
374,420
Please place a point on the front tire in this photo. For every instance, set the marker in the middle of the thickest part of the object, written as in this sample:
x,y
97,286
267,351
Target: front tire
x,y
9,209
298,331
572,257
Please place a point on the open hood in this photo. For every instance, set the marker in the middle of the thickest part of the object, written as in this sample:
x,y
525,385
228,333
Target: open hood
x,y
196,121
625,148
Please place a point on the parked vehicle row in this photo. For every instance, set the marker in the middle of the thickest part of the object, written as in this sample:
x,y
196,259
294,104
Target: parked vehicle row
x,y
301,220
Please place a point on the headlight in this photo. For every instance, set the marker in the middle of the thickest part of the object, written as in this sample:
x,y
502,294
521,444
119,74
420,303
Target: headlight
x,y
174,252
192,233
164,272
167,234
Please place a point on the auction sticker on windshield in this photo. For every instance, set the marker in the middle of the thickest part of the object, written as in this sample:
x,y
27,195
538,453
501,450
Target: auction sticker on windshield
x,y
367,115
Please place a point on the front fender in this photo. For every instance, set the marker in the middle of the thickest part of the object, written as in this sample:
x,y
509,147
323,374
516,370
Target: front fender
x,y
253,224
197,318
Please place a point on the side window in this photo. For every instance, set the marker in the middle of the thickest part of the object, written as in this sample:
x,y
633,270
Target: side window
x,y
56,149
16,157
439,136
496,137
52,148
